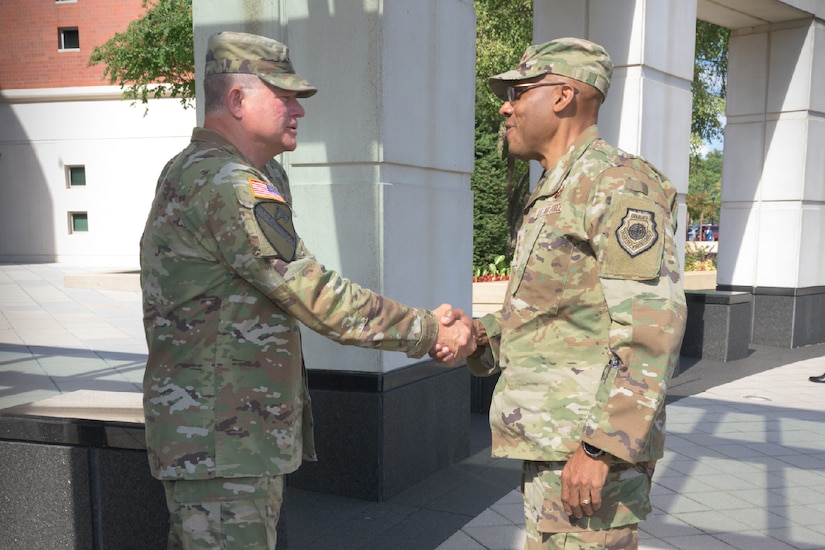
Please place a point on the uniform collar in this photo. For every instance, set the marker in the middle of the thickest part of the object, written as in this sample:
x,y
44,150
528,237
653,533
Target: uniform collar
x,y
212,137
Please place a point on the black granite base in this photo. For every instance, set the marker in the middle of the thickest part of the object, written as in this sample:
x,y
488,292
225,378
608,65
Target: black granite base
x,y
377,435
789,318
481,392
718,325
58,496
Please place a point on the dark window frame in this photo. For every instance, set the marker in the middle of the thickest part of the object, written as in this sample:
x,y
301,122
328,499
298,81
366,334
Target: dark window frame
x,y
62,33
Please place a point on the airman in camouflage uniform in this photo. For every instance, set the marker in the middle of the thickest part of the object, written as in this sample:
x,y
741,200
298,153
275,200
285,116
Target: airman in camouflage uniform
x,y
592,322
225,282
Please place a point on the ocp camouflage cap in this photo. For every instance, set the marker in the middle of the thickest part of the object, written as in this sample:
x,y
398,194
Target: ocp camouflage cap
x,y
239,52
574,58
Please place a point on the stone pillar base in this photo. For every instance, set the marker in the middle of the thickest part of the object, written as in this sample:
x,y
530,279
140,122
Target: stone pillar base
x,y
378,434
718,325
788,317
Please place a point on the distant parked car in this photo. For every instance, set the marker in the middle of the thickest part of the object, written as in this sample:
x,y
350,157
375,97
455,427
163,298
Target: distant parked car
x,y
693,233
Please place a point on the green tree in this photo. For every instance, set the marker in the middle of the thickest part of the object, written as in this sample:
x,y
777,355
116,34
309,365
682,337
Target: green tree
x,y
500,183
705,187
709,86
154,57
706,175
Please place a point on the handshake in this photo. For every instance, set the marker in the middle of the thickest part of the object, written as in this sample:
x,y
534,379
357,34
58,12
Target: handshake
x,y
457,335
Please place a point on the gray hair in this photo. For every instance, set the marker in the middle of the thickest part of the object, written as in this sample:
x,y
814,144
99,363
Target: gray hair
x,y
216,86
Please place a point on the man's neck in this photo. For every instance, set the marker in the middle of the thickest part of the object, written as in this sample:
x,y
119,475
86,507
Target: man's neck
x,y
560,143
233,133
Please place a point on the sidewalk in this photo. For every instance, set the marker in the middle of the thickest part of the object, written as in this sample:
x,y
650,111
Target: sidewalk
x,y
744,466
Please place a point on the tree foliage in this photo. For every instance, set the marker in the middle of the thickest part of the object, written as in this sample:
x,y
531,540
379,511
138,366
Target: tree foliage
x,y
154,57
500,183
709,86
707,174
705,187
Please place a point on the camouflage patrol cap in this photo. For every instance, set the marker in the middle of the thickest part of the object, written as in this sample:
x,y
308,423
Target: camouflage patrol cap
x,y
574,58
239,52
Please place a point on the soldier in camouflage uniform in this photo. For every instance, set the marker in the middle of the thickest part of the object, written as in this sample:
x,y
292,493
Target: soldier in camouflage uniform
x,y
592,322
225,282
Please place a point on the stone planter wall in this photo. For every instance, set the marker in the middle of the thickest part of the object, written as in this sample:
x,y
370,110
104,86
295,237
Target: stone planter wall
x,y
488,297
700,280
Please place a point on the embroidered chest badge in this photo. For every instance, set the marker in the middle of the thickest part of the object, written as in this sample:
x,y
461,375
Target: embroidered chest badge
x,y
263,190
637,232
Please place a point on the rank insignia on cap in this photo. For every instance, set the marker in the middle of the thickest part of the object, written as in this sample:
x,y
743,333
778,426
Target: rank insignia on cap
x,y
263,190
637,232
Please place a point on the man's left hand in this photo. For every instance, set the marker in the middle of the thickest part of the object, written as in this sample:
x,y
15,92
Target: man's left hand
x,y
582,481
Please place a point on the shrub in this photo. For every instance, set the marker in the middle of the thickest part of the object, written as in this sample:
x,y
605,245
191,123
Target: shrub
x,y
698,258
498,270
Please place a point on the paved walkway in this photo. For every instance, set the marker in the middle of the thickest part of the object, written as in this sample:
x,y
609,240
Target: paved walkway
x,y
744,466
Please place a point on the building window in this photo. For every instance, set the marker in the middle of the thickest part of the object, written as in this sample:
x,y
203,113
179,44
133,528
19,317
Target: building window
x,y
75,176
68,39
78,222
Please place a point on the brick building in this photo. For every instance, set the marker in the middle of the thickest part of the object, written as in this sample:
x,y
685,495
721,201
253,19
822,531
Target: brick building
x,y
56,37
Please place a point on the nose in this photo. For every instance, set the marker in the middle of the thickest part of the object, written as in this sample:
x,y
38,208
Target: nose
x,y
506,109
298,109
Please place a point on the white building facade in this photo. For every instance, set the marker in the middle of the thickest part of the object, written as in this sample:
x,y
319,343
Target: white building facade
x,y
78,164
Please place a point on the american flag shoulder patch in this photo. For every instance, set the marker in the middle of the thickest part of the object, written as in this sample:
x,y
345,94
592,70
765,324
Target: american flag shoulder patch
x,y
262,190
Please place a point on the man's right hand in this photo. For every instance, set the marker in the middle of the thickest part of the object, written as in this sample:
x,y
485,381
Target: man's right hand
x,y
456,337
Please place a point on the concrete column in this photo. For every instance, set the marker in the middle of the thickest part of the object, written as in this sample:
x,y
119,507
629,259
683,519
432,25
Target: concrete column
x,y
773,197
381,184
648,106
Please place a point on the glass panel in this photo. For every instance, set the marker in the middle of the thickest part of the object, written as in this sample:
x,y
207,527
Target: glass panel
x,y
77,175
69,39
80,222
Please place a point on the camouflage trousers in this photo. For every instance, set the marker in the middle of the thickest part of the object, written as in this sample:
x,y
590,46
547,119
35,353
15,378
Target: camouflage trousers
x,y
621,538
224,513
625,502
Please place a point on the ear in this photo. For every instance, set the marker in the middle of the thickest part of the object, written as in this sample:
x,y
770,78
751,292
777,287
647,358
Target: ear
x,y
234,101
564,98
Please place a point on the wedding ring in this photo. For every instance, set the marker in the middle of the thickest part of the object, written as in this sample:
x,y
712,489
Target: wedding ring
x,y
586,501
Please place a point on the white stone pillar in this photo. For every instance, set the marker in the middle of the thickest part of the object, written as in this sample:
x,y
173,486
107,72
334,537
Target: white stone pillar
x,y
381,175
772,223
651,43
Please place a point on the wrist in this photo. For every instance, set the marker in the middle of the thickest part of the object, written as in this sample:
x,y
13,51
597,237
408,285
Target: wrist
x,y
482,341
480,333
591,451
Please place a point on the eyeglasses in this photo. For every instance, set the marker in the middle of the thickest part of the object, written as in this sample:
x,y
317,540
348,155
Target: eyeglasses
x,y
515,92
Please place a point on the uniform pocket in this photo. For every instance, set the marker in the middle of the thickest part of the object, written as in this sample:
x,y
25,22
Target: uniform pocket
x,y
542,278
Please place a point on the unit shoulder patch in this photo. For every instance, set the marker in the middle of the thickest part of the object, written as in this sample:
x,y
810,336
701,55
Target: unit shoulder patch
x,y
275,221
637,232
635,243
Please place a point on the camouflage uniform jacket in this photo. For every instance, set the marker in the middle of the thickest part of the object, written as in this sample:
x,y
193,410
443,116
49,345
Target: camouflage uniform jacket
x,y
225,281
592,323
